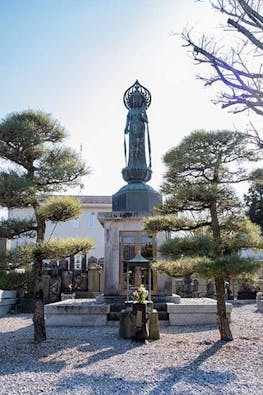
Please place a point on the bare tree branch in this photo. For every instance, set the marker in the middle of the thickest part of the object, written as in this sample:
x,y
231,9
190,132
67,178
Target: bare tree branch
x,y
243,87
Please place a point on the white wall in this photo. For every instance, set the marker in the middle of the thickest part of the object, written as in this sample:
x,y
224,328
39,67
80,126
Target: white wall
x,y
82,227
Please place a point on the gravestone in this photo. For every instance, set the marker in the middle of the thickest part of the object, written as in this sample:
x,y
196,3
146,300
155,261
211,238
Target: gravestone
x,y
55,288
45,284
67,278
83,281
93,275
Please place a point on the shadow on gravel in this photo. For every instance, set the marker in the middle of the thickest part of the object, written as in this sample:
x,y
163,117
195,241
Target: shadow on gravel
x,y
192,373
100,384
107,351
19,353
189,329
97,384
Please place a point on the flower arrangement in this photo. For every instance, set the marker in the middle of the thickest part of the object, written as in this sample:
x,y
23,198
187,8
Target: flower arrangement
x,y
140,294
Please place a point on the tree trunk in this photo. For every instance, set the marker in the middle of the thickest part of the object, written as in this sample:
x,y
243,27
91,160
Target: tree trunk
x,y
38,315
223,322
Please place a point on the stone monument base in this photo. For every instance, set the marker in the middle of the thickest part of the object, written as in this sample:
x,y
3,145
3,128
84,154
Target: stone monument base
x,y
174,298
110,299
195,311
138,197
86,312
76,312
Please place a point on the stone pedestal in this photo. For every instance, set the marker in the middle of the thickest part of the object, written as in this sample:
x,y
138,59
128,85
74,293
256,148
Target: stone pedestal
x,y
114,223
139,321
200,311
7,301
81,312
136,197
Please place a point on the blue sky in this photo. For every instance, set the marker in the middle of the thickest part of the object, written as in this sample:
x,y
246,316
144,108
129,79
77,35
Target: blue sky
x,y
75,58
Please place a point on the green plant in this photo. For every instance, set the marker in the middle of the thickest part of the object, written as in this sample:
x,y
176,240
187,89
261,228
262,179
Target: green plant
x,y
140,294
14,280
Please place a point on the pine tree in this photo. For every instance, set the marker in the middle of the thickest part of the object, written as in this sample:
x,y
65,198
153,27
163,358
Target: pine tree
x,y
35,165
201,205
254,202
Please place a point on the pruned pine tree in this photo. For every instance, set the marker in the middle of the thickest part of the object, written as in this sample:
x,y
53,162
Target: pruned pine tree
x,y
35,164
202,207
254,203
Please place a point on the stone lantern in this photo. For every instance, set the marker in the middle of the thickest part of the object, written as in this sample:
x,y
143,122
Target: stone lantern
x,y
139,263
139,321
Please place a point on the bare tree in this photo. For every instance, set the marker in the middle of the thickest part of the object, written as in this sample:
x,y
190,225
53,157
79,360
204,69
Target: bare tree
x,y
239,66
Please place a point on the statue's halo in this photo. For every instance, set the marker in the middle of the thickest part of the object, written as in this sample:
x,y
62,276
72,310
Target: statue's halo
x,y
136,89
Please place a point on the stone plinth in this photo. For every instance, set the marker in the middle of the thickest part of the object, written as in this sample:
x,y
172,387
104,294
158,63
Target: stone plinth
x,y
174,298
87,313
139,322
7,301
136,197
191,311
81,312
114,223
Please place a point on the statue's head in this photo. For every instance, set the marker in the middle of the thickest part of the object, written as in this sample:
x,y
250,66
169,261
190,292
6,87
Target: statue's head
x,y
136,100
137,97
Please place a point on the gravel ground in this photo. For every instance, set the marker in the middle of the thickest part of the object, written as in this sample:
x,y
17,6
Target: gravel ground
x,y
185,361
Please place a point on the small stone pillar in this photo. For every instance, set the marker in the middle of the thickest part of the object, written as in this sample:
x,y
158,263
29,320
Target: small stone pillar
x,y
93,275
259,301
101,274
139,321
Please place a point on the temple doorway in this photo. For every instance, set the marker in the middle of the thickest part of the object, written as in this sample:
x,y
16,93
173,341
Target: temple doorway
x,y
130,243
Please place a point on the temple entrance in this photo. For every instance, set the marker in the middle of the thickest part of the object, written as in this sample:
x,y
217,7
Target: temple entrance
x,y
130,243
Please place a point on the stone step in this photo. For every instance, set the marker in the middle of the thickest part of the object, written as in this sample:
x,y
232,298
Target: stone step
x,y
163,315
160,306
117,307
116,324
86,294
115,316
